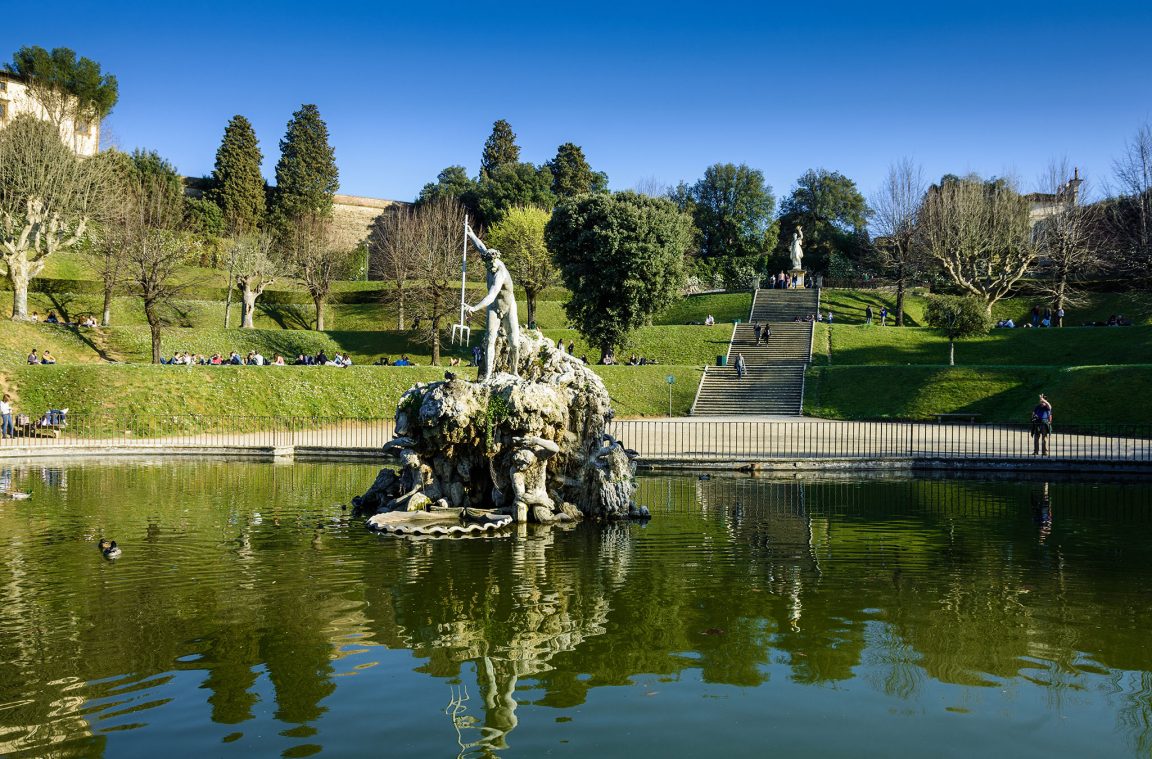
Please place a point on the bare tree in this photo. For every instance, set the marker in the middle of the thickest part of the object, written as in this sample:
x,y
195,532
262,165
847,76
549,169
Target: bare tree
x,y
311,257
395,242
895,208
980,233
1066,240
47,199
255,268
154,247
1130,215
441,226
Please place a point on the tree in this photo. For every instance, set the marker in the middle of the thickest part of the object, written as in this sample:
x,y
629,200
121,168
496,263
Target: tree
x,y
1066,240
513,184
239,188
311,258
622,256
519,237
107,256
894,210
306,174
255,268
832,212
571,174
439,231
1130,215
150,234
66,87
47,199
732,208
959,317
980,233
453,182
500,148
395,242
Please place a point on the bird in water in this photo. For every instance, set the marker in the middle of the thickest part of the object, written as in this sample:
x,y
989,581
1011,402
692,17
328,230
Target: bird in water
x,y
109,549
15,495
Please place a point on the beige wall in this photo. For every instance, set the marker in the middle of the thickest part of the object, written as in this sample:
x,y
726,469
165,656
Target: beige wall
x,y
14,100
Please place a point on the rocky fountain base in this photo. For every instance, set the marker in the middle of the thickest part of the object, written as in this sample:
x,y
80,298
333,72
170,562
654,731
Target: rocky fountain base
x,y
478,456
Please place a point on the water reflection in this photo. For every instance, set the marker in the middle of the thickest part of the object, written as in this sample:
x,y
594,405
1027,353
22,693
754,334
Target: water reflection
x,y
248,605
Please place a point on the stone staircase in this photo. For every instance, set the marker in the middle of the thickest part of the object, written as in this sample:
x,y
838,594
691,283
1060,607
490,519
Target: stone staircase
x,y
774,382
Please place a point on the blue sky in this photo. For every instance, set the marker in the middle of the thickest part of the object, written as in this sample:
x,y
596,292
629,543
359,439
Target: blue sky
x,y
651,91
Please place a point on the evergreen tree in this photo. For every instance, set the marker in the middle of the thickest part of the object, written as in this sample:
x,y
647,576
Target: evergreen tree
x,y
622,256
239,190
571,174
732,207
306,174
514,184
500,148
834,216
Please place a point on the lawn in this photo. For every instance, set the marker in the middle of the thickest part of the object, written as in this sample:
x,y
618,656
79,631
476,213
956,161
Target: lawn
x,y
1080,394
244,391
843,344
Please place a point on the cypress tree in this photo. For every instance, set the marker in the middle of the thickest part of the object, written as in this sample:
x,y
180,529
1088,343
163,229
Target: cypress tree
x,y
239,190
571,174
306,174
500,148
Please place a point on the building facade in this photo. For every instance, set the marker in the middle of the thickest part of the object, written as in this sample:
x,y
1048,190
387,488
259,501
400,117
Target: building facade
x,y
83,136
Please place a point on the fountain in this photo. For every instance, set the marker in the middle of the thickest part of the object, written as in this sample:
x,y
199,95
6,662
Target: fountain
x,y
527,442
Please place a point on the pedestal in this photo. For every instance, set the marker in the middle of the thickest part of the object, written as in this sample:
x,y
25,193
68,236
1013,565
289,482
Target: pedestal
x,y
798,278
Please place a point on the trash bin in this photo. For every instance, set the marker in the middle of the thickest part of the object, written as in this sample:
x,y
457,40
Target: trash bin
x,y
721,361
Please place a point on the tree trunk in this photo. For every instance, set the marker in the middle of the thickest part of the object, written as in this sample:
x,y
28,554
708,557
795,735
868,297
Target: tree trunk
x,y
318,300
436,341
19,277
1061,290
399,306
106,316
153,327
531,296
248,296
951,352
900,297
228,297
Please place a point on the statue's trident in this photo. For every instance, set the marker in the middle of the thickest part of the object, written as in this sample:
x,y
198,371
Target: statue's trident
x,y
462,332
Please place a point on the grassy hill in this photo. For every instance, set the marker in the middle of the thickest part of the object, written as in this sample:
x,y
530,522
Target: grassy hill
x,y
858,371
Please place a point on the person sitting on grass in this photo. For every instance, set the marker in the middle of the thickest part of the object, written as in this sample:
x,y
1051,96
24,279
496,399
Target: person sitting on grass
x,y
47,357
403,361
33,357
52,318
88,321
235,359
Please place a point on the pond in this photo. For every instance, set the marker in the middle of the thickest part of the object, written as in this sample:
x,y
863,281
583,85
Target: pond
x,y
251,615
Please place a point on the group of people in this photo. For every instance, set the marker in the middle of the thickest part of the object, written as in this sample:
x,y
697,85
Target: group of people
x,y
869,314
52,318
41,358
783,281
255,358
405,361
816,317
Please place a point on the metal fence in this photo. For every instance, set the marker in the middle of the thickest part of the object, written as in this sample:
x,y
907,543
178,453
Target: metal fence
x,y
672,440
159,431
710,441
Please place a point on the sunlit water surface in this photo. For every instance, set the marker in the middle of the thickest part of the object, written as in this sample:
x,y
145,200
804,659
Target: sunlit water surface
x,y
250,615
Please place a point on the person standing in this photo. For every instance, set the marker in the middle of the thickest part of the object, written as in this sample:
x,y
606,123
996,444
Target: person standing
x,y
884,316
868,314
756,329
6,428
741,368
1041,426
765,334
